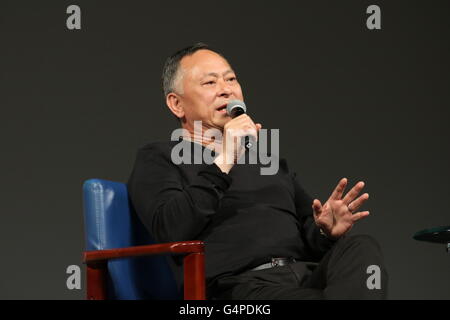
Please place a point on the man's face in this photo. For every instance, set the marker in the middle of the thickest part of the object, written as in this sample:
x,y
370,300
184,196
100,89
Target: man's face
x,y
208,84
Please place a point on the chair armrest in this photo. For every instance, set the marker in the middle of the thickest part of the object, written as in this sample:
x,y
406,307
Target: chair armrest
x,y
194,266
182,247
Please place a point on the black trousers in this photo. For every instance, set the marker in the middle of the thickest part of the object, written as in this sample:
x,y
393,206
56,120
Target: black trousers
x,y
352,269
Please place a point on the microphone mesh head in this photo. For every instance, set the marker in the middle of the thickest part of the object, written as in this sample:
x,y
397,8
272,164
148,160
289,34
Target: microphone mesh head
x,y
235,104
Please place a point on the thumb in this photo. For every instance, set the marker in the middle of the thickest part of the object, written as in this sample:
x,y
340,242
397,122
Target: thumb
x,y
317,207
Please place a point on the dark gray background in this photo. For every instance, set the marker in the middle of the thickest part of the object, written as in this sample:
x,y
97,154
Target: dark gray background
x,y
349,102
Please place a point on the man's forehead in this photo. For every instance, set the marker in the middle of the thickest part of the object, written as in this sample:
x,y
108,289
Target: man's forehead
x,y
205,62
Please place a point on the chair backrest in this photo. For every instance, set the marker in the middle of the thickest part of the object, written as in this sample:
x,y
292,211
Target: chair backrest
x,y
111,222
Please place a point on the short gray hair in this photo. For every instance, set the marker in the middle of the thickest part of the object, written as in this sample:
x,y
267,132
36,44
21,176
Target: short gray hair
x,y
171,70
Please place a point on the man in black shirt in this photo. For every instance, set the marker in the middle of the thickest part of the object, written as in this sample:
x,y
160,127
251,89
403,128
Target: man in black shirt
x,y
265,237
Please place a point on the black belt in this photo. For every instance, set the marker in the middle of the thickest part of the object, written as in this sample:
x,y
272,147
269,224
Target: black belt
x,y
276,262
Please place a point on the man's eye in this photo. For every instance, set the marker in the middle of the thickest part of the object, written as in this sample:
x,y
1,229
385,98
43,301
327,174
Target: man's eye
x,y
209,82
232,79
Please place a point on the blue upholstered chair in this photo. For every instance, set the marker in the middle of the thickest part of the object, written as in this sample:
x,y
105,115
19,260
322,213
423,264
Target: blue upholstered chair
x,y
122,260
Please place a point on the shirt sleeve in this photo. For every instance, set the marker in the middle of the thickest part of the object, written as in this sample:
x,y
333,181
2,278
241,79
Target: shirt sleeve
x,y
317,243
171,209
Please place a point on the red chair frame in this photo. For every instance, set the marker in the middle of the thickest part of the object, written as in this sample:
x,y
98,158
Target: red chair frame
x,y
193,264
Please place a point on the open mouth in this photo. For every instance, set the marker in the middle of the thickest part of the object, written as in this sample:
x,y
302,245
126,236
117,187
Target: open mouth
x,y
222,109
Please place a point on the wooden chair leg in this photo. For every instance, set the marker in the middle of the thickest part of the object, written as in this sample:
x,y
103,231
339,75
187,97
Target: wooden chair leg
x,y
96,281
194,277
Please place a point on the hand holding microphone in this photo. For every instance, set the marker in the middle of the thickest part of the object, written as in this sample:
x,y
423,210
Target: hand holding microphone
x,y
235,108
240,128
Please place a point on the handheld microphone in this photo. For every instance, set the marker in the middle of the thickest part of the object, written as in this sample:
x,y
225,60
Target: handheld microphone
x,y
234,109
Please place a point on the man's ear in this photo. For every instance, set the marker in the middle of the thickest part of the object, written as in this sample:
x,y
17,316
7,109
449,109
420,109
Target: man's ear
x,y
173,102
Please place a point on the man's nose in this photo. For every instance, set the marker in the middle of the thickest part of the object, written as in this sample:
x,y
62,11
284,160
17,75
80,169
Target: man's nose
x,y
225,89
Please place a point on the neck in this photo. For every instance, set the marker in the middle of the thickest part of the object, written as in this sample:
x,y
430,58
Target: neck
x,y
197,136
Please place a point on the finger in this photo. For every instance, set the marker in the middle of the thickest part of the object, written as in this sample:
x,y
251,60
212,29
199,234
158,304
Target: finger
x,y
339,190
251,132
240,117
317,207
244,122
351,195
360,215
242,131
239,121
353,206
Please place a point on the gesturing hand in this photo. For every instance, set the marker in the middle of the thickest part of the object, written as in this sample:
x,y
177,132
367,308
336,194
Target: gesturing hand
x,y
336,216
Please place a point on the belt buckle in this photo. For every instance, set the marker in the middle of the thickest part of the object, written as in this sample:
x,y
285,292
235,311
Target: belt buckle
x,y
277,262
